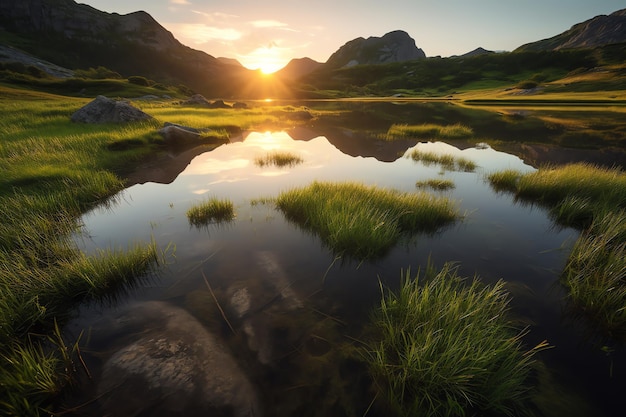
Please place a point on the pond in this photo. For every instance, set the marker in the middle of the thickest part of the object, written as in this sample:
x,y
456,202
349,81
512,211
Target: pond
x,y
260,316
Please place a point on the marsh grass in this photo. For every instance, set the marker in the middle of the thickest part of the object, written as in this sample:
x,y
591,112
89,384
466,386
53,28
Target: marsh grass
x,y
279,159
445,346
211,210
592,199
362,221
437,184
447,161
595,274
52,171
430,131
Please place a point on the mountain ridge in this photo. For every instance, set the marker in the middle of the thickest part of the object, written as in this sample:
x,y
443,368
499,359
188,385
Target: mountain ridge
x,y
598,31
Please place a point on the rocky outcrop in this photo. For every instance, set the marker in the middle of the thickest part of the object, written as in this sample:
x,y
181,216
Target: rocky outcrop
x,y
599,31
395,46
173,367
106,110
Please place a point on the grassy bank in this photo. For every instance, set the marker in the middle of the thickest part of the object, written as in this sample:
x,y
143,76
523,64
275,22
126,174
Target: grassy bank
x,y
362,221
54,170
444,346
594,200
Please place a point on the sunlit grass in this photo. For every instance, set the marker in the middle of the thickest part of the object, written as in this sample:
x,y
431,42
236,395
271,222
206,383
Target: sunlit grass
x,y
362,221
52,171
211,210
436,184
279,159
447,161
445,346
594,200
428,130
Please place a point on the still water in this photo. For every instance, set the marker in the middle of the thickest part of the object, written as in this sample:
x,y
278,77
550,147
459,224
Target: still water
x,y
255,315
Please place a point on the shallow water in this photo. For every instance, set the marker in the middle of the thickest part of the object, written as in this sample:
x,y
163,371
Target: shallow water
x,y
282,305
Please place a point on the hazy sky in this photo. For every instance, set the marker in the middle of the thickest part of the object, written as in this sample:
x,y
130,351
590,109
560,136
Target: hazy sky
x,y
270,33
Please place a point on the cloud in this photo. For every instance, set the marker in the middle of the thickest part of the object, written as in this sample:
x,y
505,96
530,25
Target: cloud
x,y
200,33
179,2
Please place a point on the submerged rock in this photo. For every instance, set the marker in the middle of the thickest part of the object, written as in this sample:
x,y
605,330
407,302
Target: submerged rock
x,y
106,110
175,366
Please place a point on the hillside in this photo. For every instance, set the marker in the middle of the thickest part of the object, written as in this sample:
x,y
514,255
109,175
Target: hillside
x,y
599,31
77,36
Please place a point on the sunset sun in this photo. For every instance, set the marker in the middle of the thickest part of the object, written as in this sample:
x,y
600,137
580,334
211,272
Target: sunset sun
x,y
267,59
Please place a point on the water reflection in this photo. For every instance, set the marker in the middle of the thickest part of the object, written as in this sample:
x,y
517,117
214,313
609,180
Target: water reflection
x,y
286,296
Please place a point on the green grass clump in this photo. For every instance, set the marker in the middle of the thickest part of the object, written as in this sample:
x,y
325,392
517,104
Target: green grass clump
x,y
447,161
279,159
363,221
436,184
592,199
428,130
595,274
211,210
446,347
53,170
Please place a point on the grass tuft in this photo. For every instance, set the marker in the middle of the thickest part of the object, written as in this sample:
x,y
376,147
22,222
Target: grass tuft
x,y
446,161
279,159
363,221
436,184
446,347
212,210
428,130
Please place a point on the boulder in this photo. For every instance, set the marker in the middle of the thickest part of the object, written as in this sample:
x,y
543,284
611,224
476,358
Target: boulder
x,y
172,367
219,104
106,110
239,105
179,135
197,100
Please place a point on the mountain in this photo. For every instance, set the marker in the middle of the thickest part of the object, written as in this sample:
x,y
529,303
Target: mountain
x,y
76,36
475,52
599,31
297,68
394,46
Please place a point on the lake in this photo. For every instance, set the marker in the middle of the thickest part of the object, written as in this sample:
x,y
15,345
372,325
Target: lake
x,y
271,314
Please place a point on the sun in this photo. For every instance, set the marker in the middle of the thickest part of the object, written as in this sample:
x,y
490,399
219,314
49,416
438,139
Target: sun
x,y
267,59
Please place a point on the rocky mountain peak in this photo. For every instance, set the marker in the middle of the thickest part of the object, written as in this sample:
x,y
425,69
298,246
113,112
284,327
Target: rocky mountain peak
x,y
396,46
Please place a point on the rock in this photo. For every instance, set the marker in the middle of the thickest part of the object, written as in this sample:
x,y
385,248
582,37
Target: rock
x,y
106,110
196,100
219,104
174,366
239,105
178,135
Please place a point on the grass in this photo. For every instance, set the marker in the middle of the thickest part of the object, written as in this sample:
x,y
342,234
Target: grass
x,y
54,170
447,161
361,221
279,159
445,346
428,130
211,210
592,199
595,274
436,184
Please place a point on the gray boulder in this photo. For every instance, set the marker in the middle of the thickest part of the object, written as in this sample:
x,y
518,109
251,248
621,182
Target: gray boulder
x,y
178,135
197,100
173,367
106,110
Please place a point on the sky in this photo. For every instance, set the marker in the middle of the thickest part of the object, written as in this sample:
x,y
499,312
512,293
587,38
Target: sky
x,y
267,34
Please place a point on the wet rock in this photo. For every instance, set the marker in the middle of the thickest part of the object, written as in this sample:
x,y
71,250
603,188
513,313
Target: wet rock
x,y
106,110
173,367
177,135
